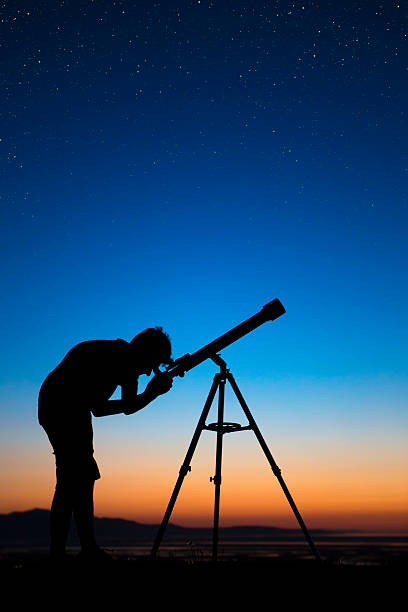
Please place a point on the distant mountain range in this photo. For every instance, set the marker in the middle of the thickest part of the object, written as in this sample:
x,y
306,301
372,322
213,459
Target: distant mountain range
x,y
31,528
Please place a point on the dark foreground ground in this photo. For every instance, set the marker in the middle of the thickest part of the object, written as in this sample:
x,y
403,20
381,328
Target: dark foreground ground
x,y
355,578
241,584
285,586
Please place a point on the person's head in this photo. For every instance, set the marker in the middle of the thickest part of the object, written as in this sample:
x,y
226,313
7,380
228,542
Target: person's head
x,y
152,348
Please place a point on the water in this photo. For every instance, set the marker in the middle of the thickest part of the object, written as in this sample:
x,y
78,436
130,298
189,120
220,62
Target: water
x,y
358,548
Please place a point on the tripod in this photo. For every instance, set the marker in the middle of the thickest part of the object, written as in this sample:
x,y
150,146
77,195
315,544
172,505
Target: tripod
x,y
221,428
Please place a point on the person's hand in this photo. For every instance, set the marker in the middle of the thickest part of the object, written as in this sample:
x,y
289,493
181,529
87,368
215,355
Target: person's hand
x,y
160,383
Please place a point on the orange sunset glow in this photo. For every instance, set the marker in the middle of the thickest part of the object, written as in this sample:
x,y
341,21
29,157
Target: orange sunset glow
x,y
349,487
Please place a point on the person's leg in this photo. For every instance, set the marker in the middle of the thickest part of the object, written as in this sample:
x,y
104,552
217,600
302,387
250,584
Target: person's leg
x,y
84,517
83,509
60,518
62,506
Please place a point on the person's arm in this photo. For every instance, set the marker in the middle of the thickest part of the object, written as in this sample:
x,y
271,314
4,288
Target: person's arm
x,y
122,406
131,403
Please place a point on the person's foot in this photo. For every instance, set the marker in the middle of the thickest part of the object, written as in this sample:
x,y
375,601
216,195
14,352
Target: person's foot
x,y
94,556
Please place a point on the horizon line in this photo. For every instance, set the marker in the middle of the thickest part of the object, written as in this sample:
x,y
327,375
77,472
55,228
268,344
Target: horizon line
x,y
237,526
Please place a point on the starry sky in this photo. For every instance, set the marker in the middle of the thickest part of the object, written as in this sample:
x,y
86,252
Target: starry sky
x,y
182,164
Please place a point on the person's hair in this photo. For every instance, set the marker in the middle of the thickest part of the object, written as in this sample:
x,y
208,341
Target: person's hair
x,y
155,341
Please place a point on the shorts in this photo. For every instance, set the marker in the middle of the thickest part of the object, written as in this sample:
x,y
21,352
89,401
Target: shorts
x,y
73,454
76,469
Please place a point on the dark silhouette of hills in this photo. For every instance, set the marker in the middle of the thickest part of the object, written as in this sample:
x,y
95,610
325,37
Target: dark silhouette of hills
x,y
31,528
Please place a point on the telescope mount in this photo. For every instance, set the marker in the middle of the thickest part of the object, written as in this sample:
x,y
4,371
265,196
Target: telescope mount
x,y
221,428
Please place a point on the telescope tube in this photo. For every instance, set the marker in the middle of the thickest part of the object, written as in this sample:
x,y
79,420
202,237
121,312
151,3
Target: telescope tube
x,y
269,312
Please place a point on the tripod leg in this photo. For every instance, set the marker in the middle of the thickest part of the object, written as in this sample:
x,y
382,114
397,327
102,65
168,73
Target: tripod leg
x,y
275,469
218,461
185,468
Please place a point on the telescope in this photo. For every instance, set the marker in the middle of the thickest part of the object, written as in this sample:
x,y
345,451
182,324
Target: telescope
x,y
269,312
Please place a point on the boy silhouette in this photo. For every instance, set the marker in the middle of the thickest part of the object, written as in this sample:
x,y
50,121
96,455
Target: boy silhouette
x,y
79,387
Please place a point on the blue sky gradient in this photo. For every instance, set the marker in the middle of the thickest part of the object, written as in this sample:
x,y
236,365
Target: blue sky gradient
x,y
182,165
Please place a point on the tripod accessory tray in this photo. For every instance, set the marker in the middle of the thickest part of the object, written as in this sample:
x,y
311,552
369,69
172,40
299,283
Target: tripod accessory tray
x,y
226,427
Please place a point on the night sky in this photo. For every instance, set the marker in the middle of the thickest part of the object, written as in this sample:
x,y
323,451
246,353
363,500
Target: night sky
x,y
182,164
